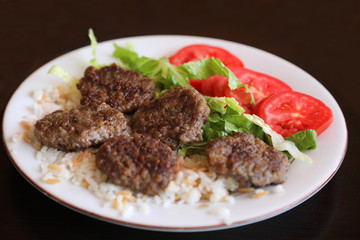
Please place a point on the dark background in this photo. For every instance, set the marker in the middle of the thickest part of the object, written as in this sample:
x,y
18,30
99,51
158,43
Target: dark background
x,y
321,37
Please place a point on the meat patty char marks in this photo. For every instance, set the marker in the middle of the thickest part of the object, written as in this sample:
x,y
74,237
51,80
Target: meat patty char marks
x,y
122,89
141,163
248,159
80,128
175,118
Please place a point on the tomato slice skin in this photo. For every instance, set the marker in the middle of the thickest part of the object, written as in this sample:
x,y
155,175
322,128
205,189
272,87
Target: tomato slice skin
x,y
207,86
214,86
241,96
219,86
196,84
197,52
289,112
261,85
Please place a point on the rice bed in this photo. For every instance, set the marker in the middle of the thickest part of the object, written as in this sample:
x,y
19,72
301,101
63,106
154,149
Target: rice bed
x,y
194,183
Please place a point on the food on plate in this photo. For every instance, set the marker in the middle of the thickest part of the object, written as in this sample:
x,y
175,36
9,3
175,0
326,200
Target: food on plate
x,y
214,85
80,128
139,125
260,87
177,117
197,52
248,159
225,119
290,112
139,162
122,89
167,75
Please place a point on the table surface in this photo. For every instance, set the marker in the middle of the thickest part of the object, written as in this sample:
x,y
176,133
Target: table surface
x,y
321,37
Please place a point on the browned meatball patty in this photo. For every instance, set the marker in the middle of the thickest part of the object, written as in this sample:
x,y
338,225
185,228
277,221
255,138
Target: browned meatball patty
x,y
140,163
79,128
175,118
122,89
248,159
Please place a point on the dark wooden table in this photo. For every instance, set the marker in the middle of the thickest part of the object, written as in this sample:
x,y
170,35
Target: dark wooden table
x,y
321,37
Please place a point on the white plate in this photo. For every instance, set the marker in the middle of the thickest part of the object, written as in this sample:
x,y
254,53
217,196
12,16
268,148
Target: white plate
x,y
304,179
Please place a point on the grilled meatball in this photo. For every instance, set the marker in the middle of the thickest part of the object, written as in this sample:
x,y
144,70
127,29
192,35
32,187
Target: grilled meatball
x,y
79,128
248,159
140,163
175,118
122,89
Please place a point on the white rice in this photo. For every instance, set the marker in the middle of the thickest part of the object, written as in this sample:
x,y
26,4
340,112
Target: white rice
x,y
193,184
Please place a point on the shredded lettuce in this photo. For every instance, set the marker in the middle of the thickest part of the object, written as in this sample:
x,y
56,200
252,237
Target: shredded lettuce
x,y
226,116
198,147
60,72
93,43
208,67
304,140
167,75
64,75
278,141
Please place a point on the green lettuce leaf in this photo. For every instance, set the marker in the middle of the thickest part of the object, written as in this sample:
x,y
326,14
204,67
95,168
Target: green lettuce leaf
x,y
126,57
161,70
64,75
208,67
278,142
60,72
199,147
93,43
226,117
167,75
304,140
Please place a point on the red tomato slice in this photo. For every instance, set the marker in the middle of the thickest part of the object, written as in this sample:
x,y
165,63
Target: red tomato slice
x,y
196,84
207,86
214,86
261,85
199,51
241,96
219,86
290,112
